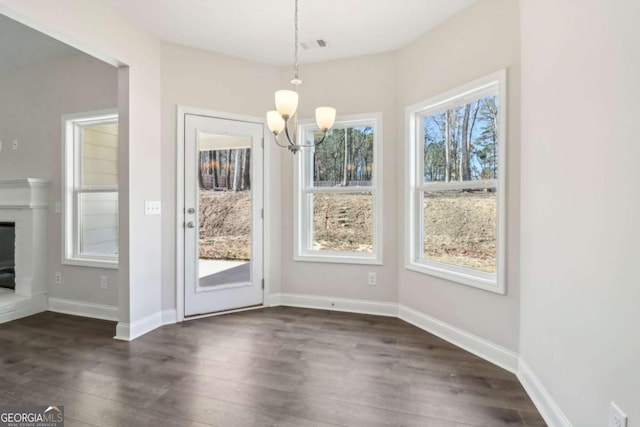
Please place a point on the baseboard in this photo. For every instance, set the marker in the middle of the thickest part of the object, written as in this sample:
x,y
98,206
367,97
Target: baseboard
x,y
273,300
84,309
130,331
169,317
336,304
487,350
547,406
13,307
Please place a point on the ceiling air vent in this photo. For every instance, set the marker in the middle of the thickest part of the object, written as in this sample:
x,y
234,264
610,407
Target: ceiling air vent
x,y
314,44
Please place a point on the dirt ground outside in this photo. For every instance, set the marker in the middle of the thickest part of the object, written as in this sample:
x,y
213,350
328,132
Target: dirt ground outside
x,y
460,228
225,225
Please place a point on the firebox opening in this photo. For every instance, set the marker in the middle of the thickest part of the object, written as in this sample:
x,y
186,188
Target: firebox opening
x,y
7,255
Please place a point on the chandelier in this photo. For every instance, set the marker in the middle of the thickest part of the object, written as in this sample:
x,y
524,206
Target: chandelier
x,y
287,106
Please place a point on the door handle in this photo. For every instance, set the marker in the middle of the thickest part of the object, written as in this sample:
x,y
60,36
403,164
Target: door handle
x,y
190,224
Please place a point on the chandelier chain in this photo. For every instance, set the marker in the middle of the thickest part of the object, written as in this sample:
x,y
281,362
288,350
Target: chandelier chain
x,y
295,48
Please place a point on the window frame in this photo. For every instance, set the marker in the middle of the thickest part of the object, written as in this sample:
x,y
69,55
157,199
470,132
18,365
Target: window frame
x,y
72,189
416,187
303,216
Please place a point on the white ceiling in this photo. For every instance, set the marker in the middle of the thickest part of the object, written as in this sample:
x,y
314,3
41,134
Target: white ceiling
x,y
22,46
262,30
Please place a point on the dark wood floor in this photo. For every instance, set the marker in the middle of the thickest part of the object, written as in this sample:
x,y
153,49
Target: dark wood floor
x,y
272,367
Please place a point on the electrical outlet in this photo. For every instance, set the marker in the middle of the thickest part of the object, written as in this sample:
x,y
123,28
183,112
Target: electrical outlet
x,y
617,418
15,144
372,279
104,282
57,208
152,208
58,278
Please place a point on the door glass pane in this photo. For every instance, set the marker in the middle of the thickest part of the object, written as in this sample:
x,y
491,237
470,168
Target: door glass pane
x,y
460,228
224,175
342,222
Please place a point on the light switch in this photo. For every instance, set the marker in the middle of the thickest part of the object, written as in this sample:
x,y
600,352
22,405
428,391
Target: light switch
x,y
152,207
15,144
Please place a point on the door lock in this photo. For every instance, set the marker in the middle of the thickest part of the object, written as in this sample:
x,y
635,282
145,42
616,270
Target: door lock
x,y
191,211
190,224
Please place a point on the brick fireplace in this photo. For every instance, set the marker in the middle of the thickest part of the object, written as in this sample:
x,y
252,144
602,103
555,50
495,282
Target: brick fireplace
x,y
23,209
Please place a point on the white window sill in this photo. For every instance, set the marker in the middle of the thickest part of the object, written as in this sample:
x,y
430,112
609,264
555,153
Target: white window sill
x,y
339,258
464,278
92,262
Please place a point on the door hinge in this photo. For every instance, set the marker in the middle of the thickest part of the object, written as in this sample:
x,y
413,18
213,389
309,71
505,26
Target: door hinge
x,y
262,283
262,213
263,142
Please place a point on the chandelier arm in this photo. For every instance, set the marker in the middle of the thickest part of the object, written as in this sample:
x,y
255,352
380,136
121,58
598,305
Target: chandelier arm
x,y
277,140
315,144
286,132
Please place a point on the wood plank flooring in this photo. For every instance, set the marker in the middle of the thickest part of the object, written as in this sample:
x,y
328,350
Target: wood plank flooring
x,y
283,366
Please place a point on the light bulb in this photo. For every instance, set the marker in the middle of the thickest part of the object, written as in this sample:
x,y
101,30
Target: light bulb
x,y
325,117
275,122
286,103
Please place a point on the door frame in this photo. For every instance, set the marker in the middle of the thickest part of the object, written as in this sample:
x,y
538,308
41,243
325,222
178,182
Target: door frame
x,y
180,207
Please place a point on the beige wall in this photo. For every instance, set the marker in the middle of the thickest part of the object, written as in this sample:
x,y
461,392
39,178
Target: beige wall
x,y
34,101
353,86
478,41
195,78
581,204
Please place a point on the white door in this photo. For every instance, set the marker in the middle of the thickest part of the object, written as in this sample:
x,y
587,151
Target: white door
x,y
223,214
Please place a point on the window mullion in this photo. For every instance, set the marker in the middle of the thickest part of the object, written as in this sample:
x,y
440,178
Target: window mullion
x,y
459,185
339,190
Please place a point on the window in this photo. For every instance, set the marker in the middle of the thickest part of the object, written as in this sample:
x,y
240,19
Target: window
x,y
455,174
338,196
91,190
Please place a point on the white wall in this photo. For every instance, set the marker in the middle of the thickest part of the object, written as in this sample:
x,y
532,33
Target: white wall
x,y
352,86
581,204
34,101
478,41
199,79
95,28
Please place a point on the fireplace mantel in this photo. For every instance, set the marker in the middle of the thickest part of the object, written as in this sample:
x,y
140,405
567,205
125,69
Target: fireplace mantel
x,y
23,193
24,202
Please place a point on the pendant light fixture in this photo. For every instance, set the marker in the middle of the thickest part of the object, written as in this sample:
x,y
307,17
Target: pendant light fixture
x,y
279,119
